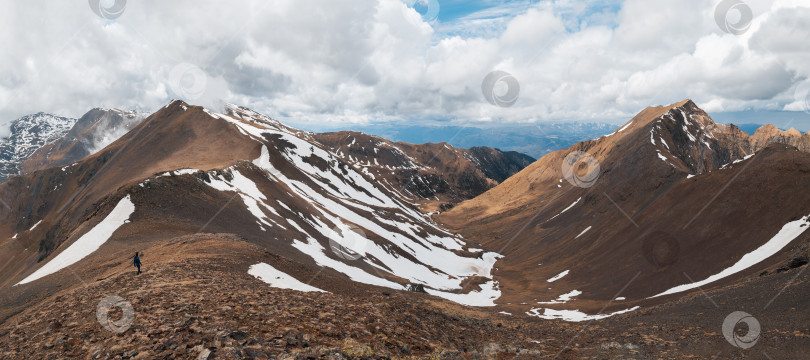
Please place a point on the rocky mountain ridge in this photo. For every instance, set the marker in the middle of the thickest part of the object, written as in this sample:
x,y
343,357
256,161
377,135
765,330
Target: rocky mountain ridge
x,y
644,203
632,231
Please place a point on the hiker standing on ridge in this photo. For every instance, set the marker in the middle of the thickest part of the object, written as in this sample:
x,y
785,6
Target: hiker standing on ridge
x,y
137,262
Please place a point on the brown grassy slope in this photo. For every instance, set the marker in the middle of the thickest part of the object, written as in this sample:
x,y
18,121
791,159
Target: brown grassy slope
x,y
519,217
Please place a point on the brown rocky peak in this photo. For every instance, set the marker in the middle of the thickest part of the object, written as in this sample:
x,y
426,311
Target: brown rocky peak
x,y
176,103
793,132
680,112
770,130
767,130
249,115
688,107
769,134
731,130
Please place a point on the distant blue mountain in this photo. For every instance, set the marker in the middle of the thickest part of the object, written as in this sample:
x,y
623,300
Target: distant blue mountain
x,y
749,121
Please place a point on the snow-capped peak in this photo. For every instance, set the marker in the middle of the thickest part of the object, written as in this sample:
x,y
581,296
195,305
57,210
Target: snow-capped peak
x,y
26,135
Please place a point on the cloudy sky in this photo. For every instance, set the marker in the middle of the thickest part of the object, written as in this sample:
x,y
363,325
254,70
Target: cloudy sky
x,y
360,61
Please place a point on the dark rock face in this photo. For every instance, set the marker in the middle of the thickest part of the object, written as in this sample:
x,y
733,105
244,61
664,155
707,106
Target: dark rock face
x,y
793,263
705,146
499,165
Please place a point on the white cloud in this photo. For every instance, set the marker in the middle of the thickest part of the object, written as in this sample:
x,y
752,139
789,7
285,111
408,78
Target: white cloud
x,y
367,60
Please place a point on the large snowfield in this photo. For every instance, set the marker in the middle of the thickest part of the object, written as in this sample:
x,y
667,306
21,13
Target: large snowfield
x,y
88,243
788,232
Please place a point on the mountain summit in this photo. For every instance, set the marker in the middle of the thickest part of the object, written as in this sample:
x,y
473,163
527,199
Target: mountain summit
x,y
301,195
663,195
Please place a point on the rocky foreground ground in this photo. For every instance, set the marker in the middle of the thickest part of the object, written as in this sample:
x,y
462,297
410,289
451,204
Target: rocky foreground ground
x,y
204,305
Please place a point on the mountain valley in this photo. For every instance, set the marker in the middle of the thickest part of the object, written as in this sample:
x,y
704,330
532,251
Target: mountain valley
x,y
259,240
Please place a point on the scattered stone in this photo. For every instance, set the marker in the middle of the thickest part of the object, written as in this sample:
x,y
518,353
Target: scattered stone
x,y
238,335
204,354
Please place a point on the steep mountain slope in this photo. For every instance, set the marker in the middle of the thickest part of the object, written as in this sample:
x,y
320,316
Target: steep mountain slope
x,y
61,201
185,169
627,215
437,172
92,132
27,134
261,240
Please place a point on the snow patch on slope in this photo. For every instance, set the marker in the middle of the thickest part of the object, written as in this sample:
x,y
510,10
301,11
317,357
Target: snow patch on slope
x,y
788,233
738,160
664,158
558,276
583,232
564,298
35,226
343,194
88,243
250,194
621,129
278,279
572,315
566,209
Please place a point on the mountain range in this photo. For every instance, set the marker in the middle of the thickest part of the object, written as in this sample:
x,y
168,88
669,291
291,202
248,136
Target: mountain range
x,y
260,240
668,184
27,134
43,140
533,140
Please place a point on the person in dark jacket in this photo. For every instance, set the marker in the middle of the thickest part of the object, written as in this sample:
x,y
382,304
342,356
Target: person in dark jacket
x,y
137,262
